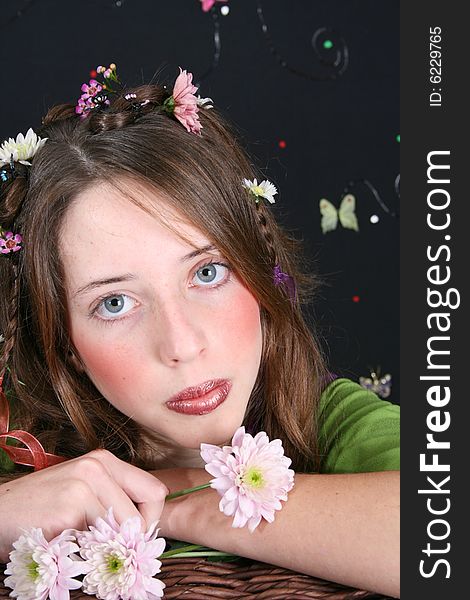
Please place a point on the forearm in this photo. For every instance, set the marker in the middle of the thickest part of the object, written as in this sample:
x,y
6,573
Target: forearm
x,y
343,528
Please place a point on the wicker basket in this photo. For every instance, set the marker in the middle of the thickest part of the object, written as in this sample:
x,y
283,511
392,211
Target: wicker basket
x,y
200,579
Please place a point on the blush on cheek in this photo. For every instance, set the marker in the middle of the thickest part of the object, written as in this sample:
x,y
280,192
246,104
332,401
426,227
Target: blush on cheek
x,y
109,369
240,320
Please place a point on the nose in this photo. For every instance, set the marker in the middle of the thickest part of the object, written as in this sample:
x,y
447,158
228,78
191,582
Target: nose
x,y
180,333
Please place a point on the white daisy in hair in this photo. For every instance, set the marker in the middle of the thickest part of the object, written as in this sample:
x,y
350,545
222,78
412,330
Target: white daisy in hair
x,y
22,149
265,189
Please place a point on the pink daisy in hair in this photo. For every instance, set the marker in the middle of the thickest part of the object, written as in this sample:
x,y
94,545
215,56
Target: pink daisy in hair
x,y
183,103
208,4
252,476
39,569
10,242
121,561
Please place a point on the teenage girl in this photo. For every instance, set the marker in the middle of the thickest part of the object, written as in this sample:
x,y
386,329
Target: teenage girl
x,y
149,302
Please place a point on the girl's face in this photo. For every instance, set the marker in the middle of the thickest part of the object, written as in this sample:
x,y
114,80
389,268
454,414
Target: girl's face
x,y
151,317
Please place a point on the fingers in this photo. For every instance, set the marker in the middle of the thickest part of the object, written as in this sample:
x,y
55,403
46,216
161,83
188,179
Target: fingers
x,y
129,490
73,494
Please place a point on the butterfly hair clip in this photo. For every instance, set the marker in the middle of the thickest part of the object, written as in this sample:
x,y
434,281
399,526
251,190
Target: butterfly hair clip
x,y
380,385
345,214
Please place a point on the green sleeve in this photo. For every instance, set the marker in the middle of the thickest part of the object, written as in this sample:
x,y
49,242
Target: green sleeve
x,y
358,431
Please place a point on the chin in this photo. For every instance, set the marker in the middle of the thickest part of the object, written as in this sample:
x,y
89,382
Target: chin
x,y
216,435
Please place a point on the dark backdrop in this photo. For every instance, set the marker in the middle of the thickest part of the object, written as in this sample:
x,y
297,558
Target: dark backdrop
x,y
315,95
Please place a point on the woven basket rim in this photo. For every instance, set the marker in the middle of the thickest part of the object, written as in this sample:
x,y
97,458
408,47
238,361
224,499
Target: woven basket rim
x,y
198,578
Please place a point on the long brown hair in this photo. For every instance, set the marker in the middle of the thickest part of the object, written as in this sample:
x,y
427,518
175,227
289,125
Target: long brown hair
x,y
200,176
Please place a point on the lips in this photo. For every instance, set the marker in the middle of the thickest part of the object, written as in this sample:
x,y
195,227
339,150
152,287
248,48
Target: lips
x,y
201,399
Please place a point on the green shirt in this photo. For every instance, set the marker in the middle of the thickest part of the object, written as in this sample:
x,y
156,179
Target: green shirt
x,y
358,431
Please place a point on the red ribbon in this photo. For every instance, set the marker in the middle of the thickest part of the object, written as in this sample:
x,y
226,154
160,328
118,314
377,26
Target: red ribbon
x,y
34,454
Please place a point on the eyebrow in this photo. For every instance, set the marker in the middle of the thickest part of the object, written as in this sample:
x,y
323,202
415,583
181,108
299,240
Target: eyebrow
x,y
100,282
130,277
197,252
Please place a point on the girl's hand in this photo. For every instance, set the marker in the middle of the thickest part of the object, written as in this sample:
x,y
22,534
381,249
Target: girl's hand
x,y
74,493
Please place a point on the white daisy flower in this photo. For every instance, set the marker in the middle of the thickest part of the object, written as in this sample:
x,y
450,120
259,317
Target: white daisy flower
x,y
265,189
24,148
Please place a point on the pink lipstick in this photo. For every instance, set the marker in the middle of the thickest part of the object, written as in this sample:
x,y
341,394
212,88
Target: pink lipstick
x,y
200,399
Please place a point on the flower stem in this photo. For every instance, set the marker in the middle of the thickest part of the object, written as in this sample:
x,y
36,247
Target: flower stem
x,y
187,491
183,549
197,554
190,550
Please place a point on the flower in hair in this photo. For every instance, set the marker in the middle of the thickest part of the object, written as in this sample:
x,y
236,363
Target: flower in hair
x,y
10,242
252,476
22,149
39,569
182,104
91,89
205,102
108,73
208,4
281,278
265,189
121,561
95,93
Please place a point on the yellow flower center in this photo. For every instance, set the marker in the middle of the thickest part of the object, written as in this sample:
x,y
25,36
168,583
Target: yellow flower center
x,y
254,478
33,569
23,151
257,190
114,563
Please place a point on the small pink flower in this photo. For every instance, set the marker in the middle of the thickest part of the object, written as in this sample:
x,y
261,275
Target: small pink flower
x,y
81,107
251,475
185,106
85,102
39,569
121,561
93,88
208,4
10,243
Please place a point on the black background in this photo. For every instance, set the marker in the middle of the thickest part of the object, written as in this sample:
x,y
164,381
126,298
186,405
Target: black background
x,y
337,127
335,131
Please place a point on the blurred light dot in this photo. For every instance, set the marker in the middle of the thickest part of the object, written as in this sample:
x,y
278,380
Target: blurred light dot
x,y
374,219
355,298
93,73
225,10
398,138
328,44
282,144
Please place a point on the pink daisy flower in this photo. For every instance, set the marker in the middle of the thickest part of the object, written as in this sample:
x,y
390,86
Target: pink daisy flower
x,y
39,569
252,476
183,103
10,243
208,4
121,561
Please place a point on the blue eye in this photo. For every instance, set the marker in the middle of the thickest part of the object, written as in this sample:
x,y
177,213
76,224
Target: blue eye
x,y
212,273
118,304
